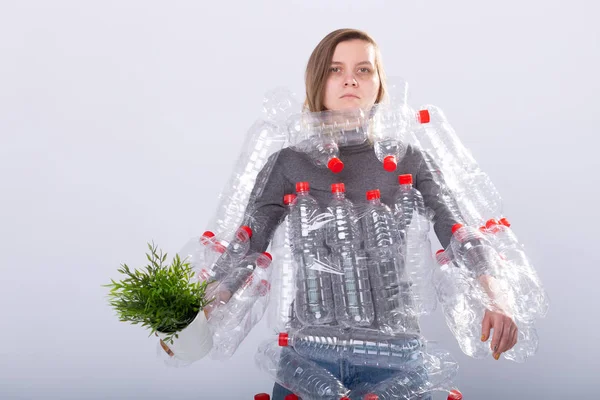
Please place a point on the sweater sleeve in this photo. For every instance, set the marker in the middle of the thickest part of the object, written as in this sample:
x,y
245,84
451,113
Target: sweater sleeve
x,y
437,198
265,208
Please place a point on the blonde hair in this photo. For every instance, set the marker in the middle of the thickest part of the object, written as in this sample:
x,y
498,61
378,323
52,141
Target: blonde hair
x,y
317,69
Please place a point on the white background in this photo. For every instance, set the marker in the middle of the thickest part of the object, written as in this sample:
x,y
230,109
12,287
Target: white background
x,y
120,121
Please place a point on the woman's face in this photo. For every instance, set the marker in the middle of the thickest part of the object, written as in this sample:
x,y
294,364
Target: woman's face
x,y
353,81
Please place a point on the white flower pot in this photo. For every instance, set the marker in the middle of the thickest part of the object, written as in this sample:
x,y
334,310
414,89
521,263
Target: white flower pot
x,y
194,341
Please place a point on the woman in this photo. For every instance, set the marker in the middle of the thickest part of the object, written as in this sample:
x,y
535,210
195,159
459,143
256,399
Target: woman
x,y
345,72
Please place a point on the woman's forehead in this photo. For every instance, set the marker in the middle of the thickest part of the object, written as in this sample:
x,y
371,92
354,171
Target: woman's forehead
x,y
357,51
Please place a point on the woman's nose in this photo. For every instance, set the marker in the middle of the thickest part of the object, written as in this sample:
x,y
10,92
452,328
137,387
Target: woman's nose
x,y
350,81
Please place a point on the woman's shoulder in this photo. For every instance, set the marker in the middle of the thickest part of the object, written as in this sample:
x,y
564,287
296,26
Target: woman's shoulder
x,y
287,160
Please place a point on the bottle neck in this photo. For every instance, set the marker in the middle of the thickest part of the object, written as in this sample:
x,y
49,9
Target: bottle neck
x,y
339,195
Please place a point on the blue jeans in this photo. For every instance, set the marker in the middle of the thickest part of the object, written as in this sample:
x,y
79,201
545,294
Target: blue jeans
x,y
351,376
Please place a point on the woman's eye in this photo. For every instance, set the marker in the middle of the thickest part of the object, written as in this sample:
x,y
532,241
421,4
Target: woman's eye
x,y
334,69
365,70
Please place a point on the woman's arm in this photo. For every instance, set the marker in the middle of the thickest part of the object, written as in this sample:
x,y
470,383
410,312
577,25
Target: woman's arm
x,y
265,208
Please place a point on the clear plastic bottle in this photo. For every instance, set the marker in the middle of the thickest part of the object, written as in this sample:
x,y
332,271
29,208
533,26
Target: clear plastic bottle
x,y
283,289
201,253
236,294
227,339
351,289
414,222
409,208
357,346
312,134
325,151
390,145
531,298
298,374
385,251
462,307
481,200
314,297
233,253
439,138
474,251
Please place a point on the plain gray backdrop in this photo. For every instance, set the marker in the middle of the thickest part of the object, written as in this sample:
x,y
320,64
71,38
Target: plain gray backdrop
x,y
121,121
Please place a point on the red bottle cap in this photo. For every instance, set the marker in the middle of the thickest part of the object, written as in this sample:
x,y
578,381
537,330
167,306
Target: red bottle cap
x,y
264,260
292,396
335,165
490,223
206,236
439,251
405,179
248,231
262,396
373,194
389,163
505,222
424,116
289,199
338,188
283,339
455,395
456,227
371,396
302,187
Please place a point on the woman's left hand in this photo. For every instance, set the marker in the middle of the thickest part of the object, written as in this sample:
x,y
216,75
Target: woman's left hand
x,y
505,332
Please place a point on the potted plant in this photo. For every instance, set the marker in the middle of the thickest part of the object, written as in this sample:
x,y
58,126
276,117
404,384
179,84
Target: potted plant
x,y
167,300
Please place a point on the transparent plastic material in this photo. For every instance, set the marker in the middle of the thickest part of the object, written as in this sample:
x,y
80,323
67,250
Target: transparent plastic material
x,y
298,374
472,191
357,346
320,134
350,278
281,313
351,289
314,293
391,131
464,302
